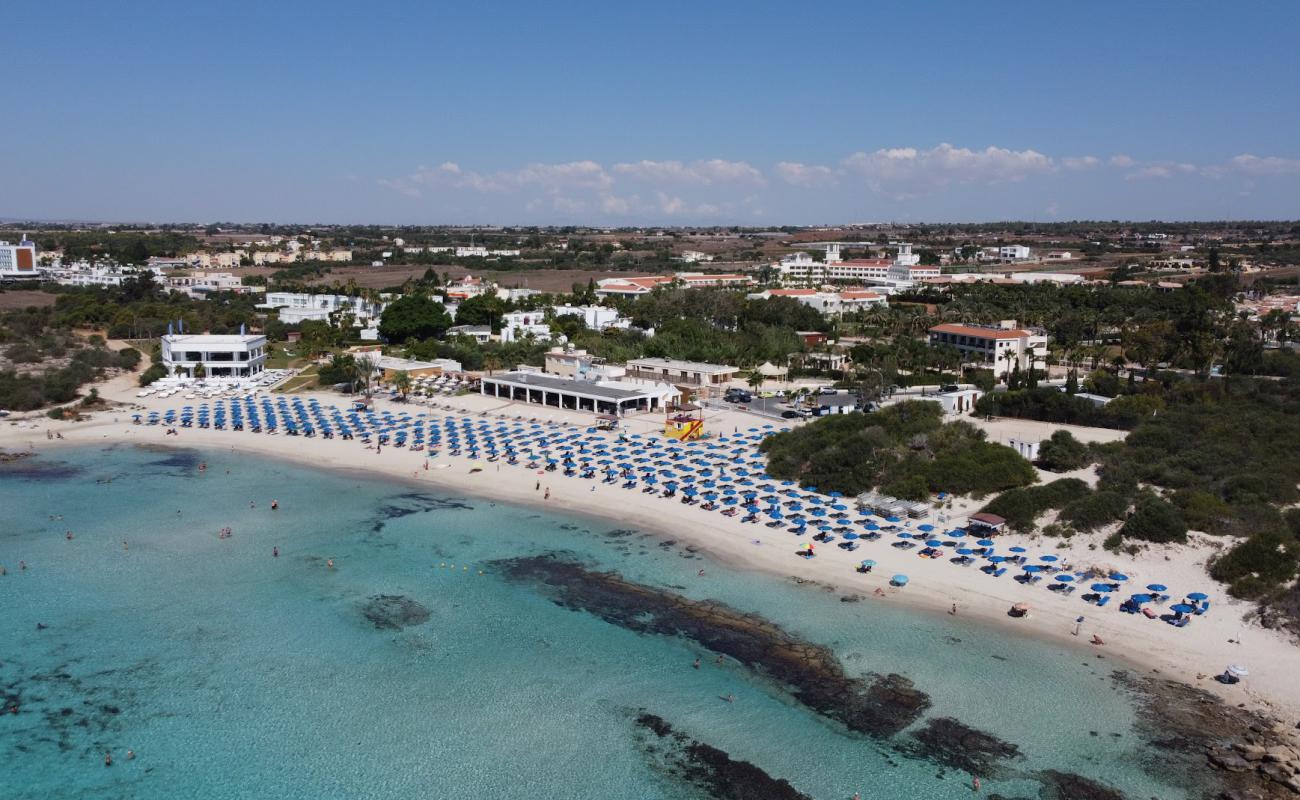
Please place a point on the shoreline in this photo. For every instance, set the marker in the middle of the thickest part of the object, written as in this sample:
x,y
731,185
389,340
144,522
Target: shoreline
x,y
1137,644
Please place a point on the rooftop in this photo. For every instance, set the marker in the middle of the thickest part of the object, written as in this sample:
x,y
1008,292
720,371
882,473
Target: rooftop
x,y
536,380
684,366
213,338
978,332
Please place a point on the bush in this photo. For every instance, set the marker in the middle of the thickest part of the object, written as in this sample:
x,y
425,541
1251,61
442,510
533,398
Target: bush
x,y
1094,510
1063,453
1202,511
152,374
1022,507
23,353
128,358
1155,520
1258,564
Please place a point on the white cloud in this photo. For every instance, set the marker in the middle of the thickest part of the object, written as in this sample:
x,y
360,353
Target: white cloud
x,y
551,177
907,171
1080,162
703,173
1161,170
613,204
796,174
1268,165
1122,161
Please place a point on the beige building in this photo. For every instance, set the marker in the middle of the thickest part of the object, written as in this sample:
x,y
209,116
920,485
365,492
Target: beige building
x,y
680,373
1002,346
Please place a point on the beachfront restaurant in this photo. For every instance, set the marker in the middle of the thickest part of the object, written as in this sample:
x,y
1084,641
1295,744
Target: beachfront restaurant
x,y
574,395
984,523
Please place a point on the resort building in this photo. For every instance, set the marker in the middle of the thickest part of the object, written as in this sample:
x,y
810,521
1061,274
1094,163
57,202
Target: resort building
x,y
957,401
388,366
219,355
18,261
1003,346
639,287
298,307
200,284
829,303
902,270
601,397
680,373
517,325
596,318
479,333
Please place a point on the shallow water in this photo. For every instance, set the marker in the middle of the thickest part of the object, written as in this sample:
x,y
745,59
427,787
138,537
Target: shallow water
x,y
234,674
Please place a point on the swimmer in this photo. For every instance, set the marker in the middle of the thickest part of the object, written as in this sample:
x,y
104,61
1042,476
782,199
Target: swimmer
x,y
108,759
329,563
954,610
68,536
130,755
22,566
975,783
700,574
252,504
275,552
124,547
203,466
731,698
697,663
275,505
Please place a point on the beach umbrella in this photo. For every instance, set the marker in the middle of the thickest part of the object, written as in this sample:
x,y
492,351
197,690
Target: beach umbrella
x,y
964,551
1157,587
1118,576
892,519
1017,549
997,559
1047,558
984,543
869,563
933,543
850,536
1033,568
926,528
1237,670
1064,577
1182,608
904,535
1141,598
899,580
1101,587
1198,596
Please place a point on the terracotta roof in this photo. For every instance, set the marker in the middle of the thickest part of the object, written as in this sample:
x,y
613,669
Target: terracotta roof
x,y
792,292
987,519
979,333
860,295
866,262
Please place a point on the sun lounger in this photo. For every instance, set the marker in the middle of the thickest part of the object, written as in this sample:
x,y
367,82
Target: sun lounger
x,y
998,573
1103,601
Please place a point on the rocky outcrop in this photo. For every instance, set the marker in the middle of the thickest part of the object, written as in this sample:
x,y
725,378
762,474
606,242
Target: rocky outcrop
x,y
394,612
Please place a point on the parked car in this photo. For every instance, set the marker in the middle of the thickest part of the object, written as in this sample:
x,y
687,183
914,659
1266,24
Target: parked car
x,y
788,414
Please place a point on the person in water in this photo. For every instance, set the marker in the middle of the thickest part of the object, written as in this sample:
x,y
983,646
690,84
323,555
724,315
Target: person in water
x,y
697,663
108,759
275,552
275,505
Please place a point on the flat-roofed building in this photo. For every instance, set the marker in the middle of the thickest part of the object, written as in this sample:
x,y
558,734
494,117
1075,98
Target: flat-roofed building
x,y
220,355
1002,347
18,261
600,397
680,373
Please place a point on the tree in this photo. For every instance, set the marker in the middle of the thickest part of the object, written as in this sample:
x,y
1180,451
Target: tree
x,y
402,383
486,309
1063,453
413,317
1155,520
363,371
755,379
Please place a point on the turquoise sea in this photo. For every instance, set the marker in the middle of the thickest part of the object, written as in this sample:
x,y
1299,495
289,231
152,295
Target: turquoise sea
x,y
235,674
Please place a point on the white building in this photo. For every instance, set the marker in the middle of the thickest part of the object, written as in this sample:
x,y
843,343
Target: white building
x,y
1001,347
84,273
640,286
517,325
695,256
232,355
199,284
472,251
597,318
680,373
18,261
1014,252
298,307
826,302
900,272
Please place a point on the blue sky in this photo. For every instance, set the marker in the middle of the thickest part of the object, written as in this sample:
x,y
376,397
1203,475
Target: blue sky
x,y
651,113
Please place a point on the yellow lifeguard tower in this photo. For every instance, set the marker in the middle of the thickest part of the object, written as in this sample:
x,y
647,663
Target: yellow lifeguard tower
x,y
680,425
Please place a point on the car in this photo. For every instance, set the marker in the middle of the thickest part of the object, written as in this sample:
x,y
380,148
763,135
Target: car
x,y
827,390
789,414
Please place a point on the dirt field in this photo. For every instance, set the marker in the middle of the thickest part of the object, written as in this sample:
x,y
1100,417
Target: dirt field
x,y
545,280
22,298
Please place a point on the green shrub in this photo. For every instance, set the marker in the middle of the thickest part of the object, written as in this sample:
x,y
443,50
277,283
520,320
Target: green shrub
x,y
1063,453
1095,510
1202,511
152,374
1155,520
1022,507
1258,564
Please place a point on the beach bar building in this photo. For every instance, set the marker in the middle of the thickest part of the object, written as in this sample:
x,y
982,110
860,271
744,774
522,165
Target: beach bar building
x,y
691,374
220,355
600,397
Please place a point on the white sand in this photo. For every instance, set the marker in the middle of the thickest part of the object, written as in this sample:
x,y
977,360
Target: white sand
x,y
1192,654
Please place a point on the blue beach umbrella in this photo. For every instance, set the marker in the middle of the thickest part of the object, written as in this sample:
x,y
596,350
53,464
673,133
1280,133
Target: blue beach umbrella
x,y
1198,596
1047,558
932,543
1118,576
1017,549
1182,608
1101,587
868,562
1064,577
1157,587
1033,568
985,543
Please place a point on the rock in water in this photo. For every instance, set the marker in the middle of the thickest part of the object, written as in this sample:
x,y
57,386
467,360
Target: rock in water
x,y
394,612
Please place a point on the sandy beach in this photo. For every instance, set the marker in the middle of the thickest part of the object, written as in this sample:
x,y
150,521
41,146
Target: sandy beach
x,y
1193,654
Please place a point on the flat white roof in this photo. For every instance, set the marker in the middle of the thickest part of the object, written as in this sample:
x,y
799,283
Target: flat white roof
x,y
684,366
213,338
533,380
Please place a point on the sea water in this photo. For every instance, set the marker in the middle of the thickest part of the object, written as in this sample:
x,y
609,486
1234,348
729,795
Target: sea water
x,y
235,674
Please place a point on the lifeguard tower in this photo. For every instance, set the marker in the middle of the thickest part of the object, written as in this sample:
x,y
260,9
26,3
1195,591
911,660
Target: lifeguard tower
x,y
684,423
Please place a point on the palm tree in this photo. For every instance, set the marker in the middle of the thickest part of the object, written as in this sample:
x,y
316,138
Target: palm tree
x,y
402,383
755,379
363,369
1011,359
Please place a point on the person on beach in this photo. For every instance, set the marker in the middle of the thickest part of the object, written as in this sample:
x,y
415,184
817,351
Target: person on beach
x,y
547,496
954,610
